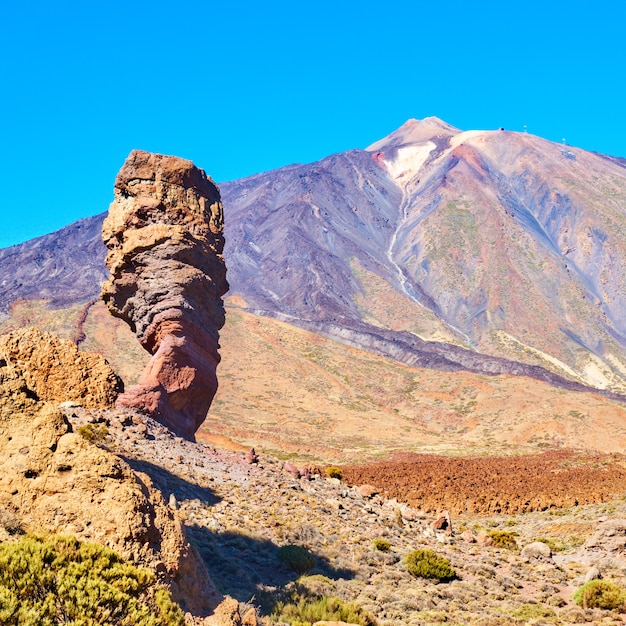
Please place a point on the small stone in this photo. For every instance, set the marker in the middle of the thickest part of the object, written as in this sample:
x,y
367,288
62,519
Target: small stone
x,y
484,539
367,491
536,551
593,574
444,523
291,469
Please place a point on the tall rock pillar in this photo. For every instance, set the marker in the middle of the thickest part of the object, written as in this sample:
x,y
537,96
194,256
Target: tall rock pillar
x,y
164,232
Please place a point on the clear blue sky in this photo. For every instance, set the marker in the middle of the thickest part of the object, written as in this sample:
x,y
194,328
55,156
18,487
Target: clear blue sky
x,y
244,87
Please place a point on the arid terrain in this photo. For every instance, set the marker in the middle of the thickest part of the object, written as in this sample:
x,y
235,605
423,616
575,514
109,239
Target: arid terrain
x,y
238,514
423,348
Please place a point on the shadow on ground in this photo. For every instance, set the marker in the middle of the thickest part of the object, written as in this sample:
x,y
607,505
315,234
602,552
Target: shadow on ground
x,y
242,566
168,483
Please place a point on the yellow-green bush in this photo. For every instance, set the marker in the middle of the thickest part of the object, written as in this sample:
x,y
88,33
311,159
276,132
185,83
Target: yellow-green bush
x,y
528,612
334,472
429,564
382,545
298,558
504,539
60,580
96,433
304,611
600,594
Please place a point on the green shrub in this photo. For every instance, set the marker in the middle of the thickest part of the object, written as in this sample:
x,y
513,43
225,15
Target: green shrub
x,y
298,558
59,580
334,472
556,545
382,545
428,564
600,594
96,433
504,539
305,611
528,612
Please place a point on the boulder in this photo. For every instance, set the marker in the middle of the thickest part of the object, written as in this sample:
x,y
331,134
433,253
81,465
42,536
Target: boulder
x,y
56,481
44,367
593,573
443,523
367,491
536,551
484,539
164,232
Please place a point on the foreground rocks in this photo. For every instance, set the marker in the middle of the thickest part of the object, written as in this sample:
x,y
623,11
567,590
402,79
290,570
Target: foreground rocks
x,y
44,367
55,479
164,232
238,514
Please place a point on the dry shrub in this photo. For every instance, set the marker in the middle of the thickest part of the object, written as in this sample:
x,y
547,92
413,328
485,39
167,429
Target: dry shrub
x,y
600,594
429,564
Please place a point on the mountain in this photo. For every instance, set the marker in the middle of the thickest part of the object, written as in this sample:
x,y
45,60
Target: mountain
x,y
487,251
499,242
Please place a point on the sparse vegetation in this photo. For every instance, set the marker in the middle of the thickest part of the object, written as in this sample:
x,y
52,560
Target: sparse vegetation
x,y
334,472
382,545
504,539
556,545
96,433
600,594
528,612
301,608
59,580
428,564
298,558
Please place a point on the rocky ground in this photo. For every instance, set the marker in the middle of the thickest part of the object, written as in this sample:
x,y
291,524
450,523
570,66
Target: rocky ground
x,y
505,484
238,514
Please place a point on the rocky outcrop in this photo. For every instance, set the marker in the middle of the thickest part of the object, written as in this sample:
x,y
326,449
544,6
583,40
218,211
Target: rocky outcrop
x,y
44,367
164,233
54,479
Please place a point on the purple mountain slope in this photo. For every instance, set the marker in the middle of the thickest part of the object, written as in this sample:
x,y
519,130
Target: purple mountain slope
x,y
483,250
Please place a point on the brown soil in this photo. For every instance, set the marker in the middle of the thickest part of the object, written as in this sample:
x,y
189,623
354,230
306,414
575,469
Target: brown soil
x,y
495,485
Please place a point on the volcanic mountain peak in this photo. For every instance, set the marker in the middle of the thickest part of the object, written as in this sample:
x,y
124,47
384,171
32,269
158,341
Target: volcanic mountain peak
x,y
414,132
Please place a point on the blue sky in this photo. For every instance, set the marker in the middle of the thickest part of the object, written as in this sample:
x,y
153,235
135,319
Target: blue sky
x,y
244,87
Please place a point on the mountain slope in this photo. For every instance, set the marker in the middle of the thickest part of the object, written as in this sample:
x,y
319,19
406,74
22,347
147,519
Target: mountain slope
x,y
483,250
501,242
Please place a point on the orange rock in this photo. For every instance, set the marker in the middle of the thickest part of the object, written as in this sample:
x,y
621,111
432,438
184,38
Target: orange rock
x,y
164,232
54,370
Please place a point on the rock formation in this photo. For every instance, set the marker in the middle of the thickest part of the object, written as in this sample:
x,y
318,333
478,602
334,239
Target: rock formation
x,y
164,233
53,479
47,368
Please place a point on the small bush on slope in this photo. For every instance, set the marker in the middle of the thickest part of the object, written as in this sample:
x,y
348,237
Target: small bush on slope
x,y
298,558
504,539
428,564
300,606
600,594
59,580
382,545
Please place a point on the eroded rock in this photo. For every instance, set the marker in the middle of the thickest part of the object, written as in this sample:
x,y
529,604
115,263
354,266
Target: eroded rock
x,y
54,480
164,232
43,367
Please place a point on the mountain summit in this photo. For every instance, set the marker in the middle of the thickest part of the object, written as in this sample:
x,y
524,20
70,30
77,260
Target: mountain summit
x,y
415,131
